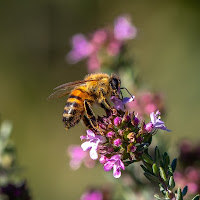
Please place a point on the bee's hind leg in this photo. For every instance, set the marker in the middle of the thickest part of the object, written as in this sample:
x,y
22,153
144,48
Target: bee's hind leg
x,y
89,119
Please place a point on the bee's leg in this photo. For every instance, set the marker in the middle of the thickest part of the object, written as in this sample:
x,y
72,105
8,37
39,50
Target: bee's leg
x,y
87,123
105,105
90,118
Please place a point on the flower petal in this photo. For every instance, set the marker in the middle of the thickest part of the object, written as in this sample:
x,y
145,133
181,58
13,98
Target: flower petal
x,y
109,165
93,154
116,171
90,134
86,146
128,99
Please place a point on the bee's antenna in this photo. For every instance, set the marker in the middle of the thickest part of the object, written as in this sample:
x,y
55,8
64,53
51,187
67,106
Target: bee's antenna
x,y
123,88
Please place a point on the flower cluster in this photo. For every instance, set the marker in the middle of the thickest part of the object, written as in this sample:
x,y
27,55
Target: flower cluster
x,y
103,44
121,139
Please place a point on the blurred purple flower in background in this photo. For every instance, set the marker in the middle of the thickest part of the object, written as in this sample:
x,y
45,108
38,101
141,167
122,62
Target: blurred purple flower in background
x,y
102,45
78,156
147,102
123,29
81,48
92,195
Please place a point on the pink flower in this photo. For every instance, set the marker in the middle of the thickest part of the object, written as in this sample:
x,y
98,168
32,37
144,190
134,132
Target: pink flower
x,y
117,142
78,156
93,63
92,143
123,29
81,48
115,163
156,123
92,195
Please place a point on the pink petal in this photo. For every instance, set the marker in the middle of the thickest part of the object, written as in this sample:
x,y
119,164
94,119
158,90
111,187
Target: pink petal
x,y
116,171
109,165
90,134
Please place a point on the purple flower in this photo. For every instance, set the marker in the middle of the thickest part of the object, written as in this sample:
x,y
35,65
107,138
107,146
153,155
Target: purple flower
x,y
123,29
115,163
155,123
92,195
117,142
117,121
119,104
81,49
110,134
77,156
92,143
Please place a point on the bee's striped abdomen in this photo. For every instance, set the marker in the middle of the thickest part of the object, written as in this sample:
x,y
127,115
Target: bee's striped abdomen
x,y
74,108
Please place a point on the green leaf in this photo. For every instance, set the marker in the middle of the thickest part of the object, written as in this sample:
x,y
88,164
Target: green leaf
x,y
173,165
196,197
162,189
147,158
155,169
144,168
170,171
185,189
166,160
171,183
157,197
179,194
151,177
162,174
157,156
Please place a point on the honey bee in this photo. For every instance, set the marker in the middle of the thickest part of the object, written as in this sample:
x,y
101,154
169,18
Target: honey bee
x,y
82,94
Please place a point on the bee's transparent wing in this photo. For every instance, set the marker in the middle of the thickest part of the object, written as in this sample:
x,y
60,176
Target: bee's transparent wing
x,y
66,88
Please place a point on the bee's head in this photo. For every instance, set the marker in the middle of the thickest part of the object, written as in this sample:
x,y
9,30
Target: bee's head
x,y
115,85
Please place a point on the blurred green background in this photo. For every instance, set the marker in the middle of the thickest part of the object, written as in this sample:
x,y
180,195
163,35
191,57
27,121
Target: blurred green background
x,y
34,39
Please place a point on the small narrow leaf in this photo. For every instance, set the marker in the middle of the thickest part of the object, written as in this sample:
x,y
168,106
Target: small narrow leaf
x,y
196,197
155,169
179,194
147,159
185,189
157,197
162,189
166,161
157,155
170,171
151,177
144,168
173,165
171,183
162,174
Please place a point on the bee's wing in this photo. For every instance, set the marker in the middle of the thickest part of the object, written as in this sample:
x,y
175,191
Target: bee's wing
x,y
59,93
66,88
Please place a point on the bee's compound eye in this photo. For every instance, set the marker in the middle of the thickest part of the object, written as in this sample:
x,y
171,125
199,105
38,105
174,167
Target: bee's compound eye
x,y
114,84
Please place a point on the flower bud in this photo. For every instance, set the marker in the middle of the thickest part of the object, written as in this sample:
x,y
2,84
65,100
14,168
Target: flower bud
x,y
117,121
110,134
133,148
117,142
